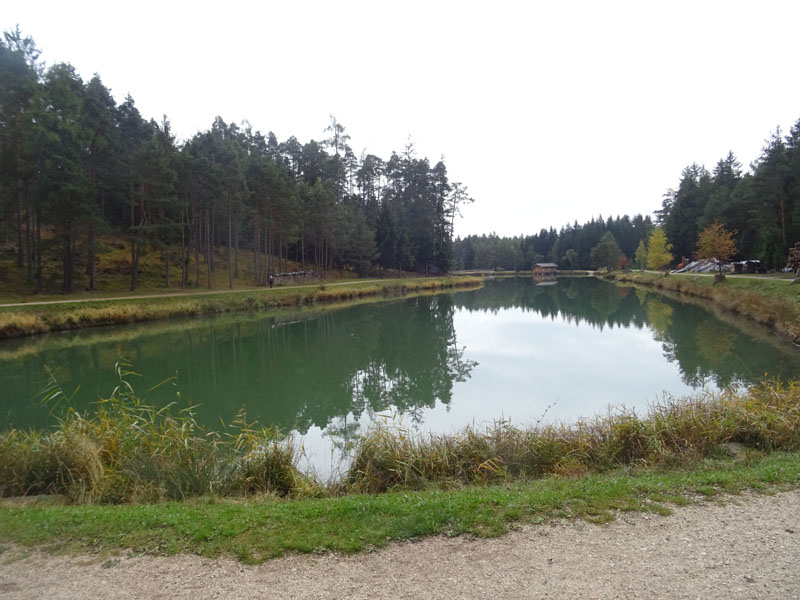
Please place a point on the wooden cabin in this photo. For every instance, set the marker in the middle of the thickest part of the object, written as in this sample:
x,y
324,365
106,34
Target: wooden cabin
x,y
544,270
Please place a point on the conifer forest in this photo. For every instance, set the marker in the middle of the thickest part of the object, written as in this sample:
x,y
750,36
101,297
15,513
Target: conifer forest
x,y
77,169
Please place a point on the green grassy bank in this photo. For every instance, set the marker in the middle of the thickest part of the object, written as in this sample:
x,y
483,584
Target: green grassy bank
x,y
133,478
42,318
266,527
770,302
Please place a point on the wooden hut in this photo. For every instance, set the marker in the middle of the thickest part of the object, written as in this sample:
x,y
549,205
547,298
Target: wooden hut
x,y
544,270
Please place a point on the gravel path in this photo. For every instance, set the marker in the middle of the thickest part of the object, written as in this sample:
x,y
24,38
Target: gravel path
x,y
187,294
748,547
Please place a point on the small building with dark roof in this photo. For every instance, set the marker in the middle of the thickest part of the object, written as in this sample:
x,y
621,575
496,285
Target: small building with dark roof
x,y
544,270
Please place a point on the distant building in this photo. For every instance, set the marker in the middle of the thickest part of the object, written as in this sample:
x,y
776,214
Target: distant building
x,y
544,270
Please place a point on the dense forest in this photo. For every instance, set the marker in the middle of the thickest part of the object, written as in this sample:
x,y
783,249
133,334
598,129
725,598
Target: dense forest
x,y
77,167
76,170
761,207
570,248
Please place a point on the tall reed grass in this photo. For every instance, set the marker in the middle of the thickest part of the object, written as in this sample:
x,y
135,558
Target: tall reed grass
x,y
675,431
128,451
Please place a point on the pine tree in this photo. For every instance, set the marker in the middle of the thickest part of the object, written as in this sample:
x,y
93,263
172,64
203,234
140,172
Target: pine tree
x,y
606,253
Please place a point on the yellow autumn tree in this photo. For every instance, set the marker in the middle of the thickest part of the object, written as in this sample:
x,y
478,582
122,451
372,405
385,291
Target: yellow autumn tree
x,y
716,242
658,248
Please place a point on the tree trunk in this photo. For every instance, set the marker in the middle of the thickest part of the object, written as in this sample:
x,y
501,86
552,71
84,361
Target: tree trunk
x,y
90,270
184,265
783,213
38,253
134,263
268,249
209,249
211,233
256,248
236,252
166,266
29,244
68,260
133,241
20,259
198,239
230,243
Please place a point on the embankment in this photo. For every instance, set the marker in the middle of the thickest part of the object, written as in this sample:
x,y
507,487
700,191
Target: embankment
x,y
64,316
770,302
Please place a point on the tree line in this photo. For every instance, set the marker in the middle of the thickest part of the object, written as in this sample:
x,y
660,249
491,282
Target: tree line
x,y
76,167
761,207
747,215
571,247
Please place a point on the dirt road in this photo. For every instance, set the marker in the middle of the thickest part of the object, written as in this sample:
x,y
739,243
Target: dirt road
x,y
746,548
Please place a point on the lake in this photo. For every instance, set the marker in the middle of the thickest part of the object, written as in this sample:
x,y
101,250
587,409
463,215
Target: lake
x,y
512,350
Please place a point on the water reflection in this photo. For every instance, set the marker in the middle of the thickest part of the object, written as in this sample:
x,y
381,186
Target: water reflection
x,y
296,374
508,350
705,349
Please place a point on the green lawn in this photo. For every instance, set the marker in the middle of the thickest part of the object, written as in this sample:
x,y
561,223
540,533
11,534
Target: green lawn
x,y
257,529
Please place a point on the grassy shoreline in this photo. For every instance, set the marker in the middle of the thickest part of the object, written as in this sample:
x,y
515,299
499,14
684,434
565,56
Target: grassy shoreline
x,y
130,452
44,318
772,303
265,527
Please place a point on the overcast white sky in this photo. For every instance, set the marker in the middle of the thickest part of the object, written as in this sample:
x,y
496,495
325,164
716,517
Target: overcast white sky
x,y
549,112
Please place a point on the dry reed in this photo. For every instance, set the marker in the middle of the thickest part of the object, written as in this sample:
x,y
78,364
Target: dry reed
x,y
763,418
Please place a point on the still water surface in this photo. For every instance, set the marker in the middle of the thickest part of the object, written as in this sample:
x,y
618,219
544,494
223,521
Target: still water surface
x,y
512,350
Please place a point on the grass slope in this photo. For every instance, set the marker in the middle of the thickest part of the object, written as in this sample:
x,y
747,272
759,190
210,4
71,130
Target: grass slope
x,y
259,529
772,302
42,318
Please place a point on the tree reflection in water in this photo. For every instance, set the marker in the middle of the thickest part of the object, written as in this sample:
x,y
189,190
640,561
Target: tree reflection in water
x,y
335,369
703,347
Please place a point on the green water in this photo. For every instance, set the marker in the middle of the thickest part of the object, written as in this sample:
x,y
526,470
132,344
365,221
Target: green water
x,y
512,350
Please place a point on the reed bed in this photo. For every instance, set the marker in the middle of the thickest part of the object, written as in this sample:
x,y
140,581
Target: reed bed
x,y
128,451
762,419
132,452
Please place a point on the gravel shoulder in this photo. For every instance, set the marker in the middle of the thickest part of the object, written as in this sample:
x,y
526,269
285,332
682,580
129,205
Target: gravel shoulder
x,y
745,547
